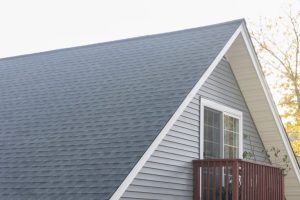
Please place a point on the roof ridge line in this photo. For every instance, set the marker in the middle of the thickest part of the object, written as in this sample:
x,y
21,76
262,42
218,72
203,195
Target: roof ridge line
x,y
120,40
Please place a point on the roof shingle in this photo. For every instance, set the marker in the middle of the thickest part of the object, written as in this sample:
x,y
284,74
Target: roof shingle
x,y
74,122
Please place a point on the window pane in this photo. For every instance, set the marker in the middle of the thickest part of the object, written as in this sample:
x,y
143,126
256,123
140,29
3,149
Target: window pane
x,y
208,133
216,135
230,152
216,120
212,133
231,137
209,118
236,126
211,150
226,122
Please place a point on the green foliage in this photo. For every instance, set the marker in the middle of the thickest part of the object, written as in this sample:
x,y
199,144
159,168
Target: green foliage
x,y
248,155
278,159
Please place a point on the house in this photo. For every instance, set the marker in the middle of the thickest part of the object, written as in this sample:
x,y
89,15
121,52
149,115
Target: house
x,y
126,119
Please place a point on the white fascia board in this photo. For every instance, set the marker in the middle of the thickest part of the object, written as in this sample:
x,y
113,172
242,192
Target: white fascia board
x,y
122,188
270,100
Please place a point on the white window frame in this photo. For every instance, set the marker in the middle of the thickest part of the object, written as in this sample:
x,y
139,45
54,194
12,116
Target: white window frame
x,y
225,110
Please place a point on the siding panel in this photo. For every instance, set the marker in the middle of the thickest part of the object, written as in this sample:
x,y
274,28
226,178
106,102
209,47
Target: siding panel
x,y
167,175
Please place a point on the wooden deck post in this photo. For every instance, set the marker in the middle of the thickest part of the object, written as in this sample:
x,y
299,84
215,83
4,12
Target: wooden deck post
x,y
235,180
196,179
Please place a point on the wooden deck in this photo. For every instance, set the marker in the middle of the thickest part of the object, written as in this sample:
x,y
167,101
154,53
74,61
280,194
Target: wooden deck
x,y
236,179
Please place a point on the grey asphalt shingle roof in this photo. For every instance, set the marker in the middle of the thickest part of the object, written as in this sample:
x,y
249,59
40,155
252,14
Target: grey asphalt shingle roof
x,y
74,122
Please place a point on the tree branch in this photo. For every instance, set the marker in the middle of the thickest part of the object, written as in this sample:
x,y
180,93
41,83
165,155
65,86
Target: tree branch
x,y
296,34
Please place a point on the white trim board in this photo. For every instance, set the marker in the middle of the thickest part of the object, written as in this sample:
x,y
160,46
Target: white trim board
x,y
241,30
122,188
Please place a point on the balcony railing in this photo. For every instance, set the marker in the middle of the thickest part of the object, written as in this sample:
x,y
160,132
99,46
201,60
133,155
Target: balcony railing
x,y
235,179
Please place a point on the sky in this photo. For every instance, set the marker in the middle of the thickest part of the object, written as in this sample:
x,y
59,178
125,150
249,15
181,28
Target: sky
x,y
40,25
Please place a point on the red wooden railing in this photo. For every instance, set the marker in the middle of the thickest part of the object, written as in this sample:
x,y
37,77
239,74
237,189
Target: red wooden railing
x,y
235,179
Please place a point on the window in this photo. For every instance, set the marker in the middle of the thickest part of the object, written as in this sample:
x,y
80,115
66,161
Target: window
x,y
221,131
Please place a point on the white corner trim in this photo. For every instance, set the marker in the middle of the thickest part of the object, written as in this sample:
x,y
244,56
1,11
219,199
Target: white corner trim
x,y
225,111
122,188
269,97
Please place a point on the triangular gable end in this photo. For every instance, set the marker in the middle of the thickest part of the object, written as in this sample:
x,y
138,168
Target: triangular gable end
x,y
245,66
248,72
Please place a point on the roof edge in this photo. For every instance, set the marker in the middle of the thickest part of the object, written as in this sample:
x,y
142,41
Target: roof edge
x,y
119,40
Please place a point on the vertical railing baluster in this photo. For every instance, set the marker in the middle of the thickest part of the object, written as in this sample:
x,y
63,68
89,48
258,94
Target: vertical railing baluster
x,y
278,180
269,185
242,181
208,181
282,186
245,181
226,180
261,182
277,184
276,189
252,180
248,182
265,184
215,180
273,183
281,195
220,179
235,181
256,182
204,179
